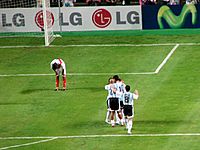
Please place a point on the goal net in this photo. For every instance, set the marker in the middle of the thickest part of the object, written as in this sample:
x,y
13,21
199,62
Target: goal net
x,y
26,18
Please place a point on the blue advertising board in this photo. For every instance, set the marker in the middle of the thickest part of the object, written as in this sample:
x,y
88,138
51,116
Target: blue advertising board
x,y
170,16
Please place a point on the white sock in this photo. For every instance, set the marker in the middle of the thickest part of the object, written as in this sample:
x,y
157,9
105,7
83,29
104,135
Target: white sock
x,y
122,113
108,116
130,123
117,118
113,123
126,123
122,122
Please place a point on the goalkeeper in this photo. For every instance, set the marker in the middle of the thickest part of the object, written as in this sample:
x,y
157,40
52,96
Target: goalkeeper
x,y
58,66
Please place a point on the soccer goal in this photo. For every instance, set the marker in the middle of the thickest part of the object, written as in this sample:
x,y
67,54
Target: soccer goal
x,y
26,18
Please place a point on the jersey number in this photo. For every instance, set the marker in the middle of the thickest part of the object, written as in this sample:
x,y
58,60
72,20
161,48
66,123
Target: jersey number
x,y
126,98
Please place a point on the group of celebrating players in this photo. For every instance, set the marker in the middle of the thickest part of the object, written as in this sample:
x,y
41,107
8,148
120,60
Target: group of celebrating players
x,y
120,103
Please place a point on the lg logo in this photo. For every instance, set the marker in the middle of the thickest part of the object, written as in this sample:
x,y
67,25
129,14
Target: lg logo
x,y
39,19
101,18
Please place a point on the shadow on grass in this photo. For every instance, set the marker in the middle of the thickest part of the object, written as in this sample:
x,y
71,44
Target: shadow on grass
x,y
18,103
160,122
93,89
87,124
29,91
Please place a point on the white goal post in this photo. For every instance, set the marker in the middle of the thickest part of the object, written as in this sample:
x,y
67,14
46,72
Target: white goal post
x,y
16,19
47,19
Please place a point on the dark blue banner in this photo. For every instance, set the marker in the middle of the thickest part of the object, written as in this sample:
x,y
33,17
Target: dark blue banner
x,y
170,16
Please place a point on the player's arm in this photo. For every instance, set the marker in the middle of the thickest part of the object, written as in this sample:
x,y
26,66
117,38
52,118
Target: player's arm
x,y
107,87
136,94
64,68
51,64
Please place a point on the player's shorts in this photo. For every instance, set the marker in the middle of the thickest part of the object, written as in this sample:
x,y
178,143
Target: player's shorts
x,y
108,104
114,103
128,110
60,71
121,104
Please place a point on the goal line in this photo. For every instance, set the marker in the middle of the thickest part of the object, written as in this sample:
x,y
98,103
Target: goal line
x,y
103,45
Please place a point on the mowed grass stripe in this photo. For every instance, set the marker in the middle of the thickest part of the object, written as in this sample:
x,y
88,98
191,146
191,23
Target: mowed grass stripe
x,y
169,103
83,59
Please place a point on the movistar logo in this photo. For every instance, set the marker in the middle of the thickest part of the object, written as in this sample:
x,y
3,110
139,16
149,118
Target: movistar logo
x,y
173,20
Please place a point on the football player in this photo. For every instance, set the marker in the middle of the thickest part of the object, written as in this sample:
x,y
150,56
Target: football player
x,y
128,101
59,67
113,101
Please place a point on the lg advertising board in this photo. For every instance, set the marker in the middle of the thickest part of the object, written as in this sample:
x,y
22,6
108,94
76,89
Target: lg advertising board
x,y
72,19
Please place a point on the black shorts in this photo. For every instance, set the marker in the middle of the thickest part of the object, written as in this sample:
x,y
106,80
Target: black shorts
x,y
114,103
128,110
107,102
121,104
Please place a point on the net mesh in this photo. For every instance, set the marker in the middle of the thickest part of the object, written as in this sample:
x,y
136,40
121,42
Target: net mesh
x,y
19,3
25,18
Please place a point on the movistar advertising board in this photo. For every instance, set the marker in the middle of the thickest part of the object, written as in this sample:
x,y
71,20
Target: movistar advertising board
x,y
171,17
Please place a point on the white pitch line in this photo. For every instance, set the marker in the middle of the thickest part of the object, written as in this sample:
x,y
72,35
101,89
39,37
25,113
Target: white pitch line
x,y
102,45
77,74
119,73
24,75
166,58
28,144
51,138
114,45
97,136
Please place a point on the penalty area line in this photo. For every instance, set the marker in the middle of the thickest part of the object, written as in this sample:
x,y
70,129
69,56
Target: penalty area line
x,y
78,74
166,58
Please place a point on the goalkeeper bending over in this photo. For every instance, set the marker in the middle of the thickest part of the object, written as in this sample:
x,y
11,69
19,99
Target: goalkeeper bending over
x,y
58,65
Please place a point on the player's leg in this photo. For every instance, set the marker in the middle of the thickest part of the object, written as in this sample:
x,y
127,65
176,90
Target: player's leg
x,y
119,115
107,120
122,109
112,118
130,124
57,82
64,80
113,109
122,112
57,79
117,118
126,122
130,119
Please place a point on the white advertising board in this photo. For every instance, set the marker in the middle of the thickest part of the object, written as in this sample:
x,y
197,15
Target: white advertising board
x,y
72,19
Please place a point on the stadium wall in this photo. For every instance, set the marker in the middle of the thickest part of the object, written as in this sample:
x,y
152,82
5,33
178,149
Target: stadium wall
x,y
72,19
102,18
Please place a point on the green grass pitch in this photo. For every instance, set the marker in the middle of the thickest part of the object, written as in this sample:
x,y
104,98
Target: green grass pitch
x,y
169,101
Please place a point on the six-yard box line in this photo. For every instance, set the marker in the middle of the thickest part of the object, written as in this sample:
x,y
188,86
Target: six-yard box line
x,y
101,45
